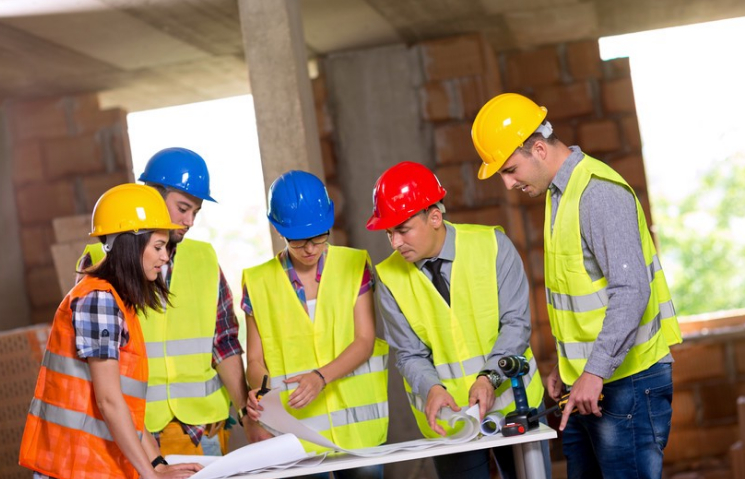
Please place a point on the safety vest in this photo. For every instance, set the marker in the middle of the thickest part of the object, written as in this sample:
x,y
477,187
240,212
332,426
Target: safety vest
x,y
352,411
66,435
577,304
462,335
183,383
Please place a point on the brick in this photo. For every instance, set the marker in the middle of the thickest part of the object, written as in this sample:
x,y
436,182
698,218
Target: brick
x,y
452,57
534,224
697,442
453,144
491,216
489,191
685,407
698,362
27,163
565,132
337,196
65,257
546,343
718,401
441,101
616,68
72,156
533,68
71,228
535,265
42,118
452,180
324,121
36,243
339,236
42,286
631,168
94,186
87,121
737,459
40,202
329,158
492,80
739,349
646,207
566,101
631,135
584,60
473,95
618,96
514,226
539,306
320,93
599,136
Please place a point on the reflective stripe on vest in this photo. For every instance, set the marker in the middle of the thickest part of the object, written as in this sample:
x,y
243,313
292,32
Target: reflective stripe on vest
x,y
577,304
471,323
351,411
65,433
179,344
79,369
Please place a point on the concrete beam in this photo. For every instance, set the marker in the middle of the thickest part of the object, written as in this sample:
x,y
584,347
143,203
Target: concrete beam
x,y
283,100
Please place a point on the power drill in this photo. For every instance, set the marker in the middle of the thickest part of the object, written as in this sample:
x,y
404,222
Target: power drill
x,y
517,421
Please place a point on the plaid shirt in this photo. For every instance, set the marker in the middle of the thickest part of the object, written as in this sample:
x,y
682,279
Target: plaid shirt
x,y
99,325
368,280
225,343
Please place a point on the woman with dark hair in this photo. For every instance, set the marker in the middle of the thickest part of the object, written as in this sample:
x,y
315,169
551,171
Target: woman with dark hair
x,y
87,415
311,327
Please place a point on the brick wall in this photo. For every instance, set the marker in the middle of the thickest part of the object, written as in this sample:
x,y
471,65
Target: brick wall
x,y
65,152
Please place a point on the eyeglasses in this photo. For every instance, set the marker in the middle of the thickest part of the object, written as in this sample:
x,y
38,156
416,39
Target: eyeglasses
x,y
301,243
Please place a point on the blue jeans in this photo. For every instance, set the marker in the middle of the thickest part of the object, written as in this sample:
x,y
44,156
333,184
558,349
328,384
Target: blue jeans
x,y
367,472
627,441
475,464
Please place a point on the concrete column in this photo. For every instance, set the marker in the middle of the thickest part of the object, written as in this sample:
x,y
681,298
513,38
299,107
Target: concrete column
x,y
278,72
12,285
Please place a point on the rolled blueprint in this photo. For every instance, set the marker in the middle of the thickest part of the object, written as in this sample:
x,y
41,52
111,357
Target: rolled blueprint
x,y
492,424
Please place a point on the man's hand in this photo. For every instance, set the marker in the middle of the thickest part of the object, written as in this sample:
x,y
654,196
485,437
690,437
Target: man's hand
x,y
482,392
438,398
584,396
253,407
555,384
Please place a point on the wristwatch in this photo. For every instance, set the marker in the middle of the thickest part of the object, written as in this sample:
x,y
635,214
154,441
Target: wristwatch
x,y
242,412
494,378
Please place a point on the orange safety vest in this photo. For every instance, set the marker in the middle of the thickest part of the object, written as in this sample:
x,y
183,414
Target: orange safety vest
x,y
66,435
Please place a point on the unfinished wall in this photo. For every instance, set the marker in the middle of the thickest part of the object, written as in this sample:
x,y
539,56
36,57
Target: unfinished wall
x,y
65,152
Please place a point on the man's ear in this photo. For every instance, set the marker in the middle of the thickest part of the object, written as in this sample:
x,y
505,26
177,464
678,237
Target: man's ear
x,y
435,218
540,149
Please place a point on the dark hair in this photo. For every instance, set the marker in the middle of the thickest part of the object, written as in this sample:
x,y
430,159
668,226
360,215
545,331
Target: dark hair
x,y
122,268
530,141
163,190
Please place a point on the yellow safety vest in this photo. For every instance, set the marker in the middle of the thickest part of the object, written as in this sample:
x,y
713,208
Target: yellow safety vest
x,y
182,382
351,411
577,304
462,335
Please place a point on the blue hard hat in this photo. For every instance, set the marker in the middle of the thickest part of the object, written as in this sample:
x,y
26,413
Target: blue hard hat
x,y
181,169
299,206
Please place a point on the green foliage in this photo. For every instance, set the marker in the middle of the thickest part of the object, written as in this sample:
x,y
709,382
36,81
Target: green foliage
x,y
702,241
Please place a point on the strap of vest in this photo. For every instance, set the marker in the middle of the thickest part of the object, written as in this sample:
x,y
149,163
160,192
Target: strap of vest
x,y
179,347
184,390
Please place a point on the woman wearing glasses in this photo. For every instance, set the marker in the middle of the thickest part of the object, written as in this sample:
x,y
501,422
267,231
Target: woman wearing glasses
x,y
311,326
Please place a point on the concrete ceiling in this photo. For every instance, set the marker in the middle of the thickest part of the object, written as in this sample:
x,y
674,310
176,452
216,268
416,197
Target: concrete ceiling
x,y
151,53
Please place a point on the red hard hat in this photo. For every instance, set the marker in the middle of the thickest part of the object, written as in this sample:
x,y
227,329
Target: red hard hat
x,y
401,192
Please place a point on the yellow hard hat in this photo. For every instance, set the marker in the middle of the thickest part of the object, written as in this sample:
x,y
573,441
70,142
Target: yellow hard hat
x,y
130,207
502,126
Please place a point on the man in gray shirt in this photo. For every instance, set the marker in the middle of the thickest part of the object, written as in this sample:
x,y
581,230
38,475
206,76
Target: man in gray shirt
x,y
608,300
454,299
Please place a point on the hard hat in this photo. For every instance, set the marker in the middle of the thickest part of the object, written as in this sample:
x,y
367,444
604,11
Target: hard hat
x,y
299,206
181,169
402,191
501,126
130,208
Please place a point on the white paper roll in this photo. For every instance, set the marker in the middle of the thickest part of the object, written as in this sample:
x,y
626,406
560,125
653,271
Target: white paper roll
x,y
492,424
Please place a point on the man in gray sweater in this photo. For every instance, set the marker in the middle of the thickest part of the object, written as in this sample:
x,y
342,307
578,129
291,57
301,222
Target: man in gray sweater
x,y
608,301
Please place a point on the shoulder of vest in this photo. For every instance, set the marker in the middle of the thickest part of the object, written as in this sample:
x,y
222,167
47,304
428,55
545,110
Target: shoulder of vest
x,y
196,244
